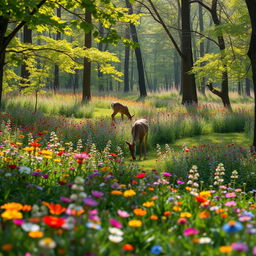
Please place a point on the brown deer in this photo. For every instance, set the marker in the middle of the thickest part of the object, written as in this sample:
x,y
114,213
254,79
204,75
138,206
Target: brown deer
x,y
139,133
120,108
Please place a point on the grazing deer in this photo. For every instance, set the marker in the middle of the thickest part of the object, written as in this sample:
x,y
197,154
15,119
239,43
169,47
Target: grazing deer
x,y
139,133
120,108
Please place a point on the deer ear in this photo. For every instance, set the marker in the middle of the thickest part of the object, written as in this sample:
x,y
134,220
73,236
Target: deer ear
x,y
128,143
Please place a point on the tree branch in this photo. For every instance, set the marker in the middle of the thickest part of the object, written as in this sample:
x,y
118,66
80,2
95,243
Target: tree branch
x,y
214,91
201,3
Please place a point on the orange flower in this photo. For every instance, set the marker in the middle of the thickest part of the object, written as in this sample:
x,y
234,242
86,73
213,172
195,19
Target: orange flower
x,y
34,220
55,209
36,234
148,204
153,217
176,208
167,213
225,249
7,247
116,192
219,210
140,212
26,208
61,251
128,247
12,206
204,215
224,215
151,189
195,240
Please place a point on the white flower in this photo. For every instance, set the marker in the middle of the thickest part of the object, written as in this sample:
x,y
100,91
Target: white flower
x,y
204,240
47,243
115,239
8,174
25,169
28,227
115,231
79,180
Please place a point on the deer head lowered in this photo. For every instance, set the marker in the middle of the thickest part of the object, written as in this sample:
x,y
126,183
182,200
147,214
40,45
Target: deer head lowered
x,y
120,108
139,133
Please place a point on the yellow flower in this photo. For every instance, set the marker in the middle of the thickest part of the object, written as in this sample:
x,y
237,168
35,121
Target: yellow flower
x,y
140,212
28,149
48,157
122,185
135,223
105,168
47,243
185,215
46,152
19,143
205,193
10,215
61,149
176,208
116,192
225,249
12,206
129,193
36,234
188,188
1,153
57,160
148,204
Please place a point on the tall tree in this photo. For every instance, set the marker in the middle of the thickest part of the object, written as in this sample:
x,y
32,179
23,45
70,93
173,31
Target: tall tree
x,y
251,5
27,38
140,67
126,62
56,82
87,64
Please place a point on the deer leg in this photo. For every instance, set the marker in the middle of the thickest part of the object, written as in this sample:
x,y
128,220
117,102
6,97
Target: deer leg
x,y
122,116
145,145
113,116
140,149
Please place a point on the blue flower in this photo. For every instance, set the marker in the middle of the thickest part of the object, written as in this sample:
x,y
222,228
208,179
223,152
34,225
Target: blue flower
x,y
156,249
249,214
232,226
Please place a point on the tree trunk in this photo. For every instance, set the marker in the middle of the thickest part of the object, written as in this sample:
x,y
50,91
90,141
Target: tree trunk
x,y
248,87
189,94
131,68
201,29
126,62
140,67
87,64
27,38
100,47
251,5
56,82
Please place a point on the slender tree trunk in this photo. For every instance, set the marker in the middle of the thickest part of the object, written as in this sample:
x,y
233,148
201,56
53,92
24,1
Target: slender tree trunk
x,y
189,94
248,87
239,87
27,38
201,29
251,5
100,47
56,82
126,62
87,64
131,68
140,67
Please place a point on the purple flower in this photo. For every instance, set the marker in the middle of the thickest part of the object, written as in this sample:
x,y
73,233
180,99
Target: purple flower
x,y
115,223
65,199
190,231
167,174
35,174
45,176
97,194
241,247
90,202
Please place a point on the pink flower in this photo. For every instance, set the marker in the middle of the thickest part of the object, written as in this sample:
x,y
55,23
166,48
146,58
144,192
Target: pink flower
x,y
18,222
81,156
229,195
97,194
123,214
230,203
115,223
180,182
190,231
93,212
167,174
254,250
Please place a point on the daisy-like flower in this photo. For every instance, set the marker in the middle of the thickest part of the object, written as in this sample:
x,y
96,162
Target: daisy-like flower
x,y
116,231
232,226
123,214
30,227
47,243
115,239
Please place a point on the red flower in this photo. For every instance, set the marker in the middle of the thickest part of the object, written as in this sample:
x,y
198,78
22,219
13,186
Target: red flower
x,y
60,153
113,154
12,166
35,144
200,199
53,222
141,175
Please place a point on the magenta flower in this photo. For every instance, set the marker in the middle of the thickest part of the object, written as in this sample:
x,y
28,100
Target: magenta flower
x,y
81,156
180,182
167,174
115,223
97,194
230,203
190,231
18,222
123,214
229,195
93,212
241,247
254,250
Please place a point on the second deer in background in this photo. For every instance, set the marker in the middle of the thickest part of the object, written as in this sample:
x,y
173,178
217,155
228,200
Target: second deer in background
x,y
120,108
